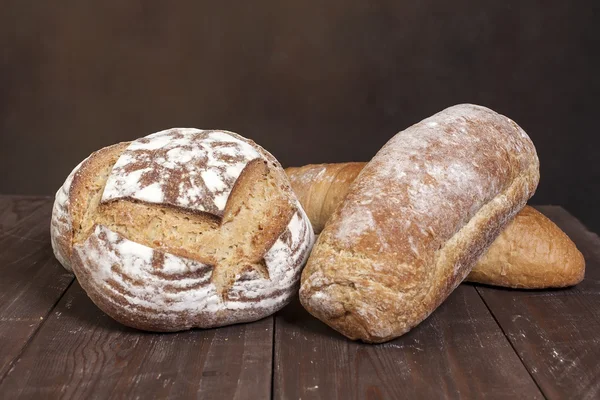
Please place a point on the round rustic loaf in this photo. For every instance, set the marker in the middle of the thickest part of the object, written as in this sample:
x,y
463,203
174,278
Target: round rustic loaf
x,y
183,228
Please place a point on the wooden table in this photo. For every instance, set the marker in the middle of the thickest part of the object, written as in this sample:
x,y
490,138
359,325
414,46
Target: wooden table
x,y
482,342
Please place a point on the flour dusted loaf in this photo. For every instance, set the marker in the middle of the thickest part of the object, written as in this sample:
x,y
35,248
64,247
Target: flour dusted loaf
x,y
183,228
415,221
530,253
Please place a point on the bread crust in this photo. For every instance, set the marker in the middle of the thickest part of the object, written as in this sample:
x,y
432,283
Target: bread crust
x,y
532,252
67,204
415,221
321,187
184,228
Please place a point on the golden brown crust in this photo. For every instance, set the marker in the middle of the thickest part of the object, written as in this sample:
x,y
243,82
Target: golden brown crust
x,y
219,241
321,187
415,221
69,204
87,186
531,252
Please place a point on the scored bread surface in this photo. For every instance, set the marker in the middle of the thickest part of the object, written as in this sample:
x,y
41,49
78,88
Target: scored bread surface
x,y
183,228
162,168
321,187
415,221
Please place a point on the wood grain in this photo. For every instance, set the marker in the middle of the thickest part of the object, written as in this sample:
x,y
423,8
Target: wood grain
x,y
71,349
556,332
459,351
82,353
17,209
32,280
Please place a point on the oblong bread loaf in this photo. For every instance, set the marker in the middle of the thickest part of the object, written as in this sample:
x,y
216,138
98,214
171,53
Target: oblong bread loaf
x,y
415,221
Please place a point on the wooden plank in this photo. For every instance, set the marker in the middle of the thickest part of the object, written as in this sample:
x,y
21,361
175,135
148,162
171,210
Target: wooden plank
x,y
82,353
16,209
459,351
556,332
32,280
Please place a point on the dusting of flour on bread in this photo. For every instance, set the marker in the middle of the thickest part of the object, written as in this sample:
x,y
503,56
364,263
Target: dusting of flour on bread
x,y
184,167
438,193
115,262
427,185
162,286
144,249
61,224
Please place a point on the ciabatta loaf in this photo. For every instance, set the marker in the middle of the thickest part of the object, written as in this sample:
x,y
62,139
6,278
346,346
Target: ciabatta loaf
x,y
416,220
183,228
530,253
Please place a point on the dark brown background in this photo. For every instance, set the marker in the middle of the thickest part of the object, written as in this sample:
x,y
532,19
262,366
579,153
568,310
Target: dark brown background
x,y
311,81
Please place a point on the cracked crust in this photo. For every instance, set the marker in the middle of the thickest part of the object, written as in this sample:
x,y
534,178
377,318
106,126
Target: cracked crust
x,y
415,221
154,246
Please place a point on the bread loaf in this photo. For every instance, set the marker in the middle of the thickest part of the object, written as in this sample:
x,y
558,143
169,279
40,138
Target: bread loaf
x,y
320,188
530,253
183,228
415,221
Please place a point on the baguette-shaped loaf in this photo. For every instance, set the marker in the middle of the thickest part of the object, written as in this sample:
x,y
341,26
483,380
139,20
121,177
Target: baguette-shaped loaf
x,y
183,228
415,221
320,188
532,252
